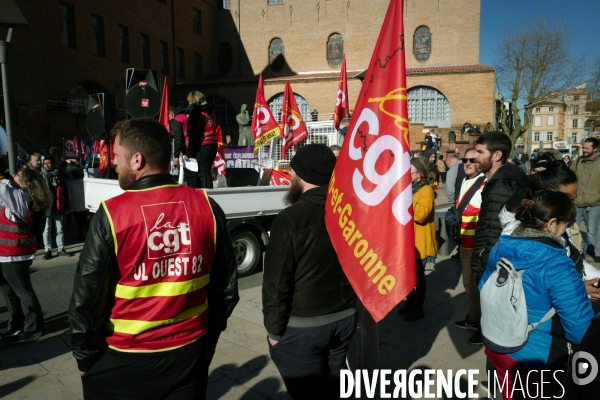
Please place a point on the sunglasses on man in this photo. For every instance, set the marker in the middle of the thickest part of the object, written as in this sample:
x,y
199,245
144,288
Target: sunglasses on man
x,y
471,160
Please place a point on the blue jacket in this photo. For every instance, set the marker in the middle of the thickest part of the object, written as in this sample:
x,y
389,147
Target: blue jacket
x,y
550,280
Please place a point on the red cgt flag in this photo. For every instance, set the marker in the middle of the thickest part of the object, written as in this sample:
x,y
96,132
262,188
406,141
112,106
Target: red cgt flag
x,y
341,101
279,178
293,128
163,115
219,162
368,212
101,148
264,125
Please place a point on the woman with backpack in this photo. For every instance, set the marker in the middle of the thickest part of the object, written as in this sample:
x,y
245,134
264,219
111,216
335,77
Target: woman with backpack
x,y
22,201
425,239
550,284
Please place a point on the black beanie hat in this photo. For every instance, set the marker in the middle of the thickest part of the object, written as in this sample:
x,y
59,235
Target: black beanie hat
x,y
314,164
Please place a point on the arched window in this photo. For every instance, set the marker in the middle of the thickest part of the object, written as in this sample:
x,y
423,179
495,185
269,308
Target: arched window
x,y
335,50
422,43
428,106
225,57
224,111
276,54
276,104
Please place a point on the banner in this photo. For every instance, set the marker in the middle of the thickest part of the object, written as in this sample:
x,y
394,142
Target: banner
x,y
341,101
293,128
368,213
264,125
101,148
240,157
219,162
279,178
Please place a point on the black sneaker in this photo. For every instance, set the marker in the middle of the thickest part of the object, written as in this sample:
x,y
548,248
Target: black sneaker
x,y
465,324
8,332
414,314
24,337
476,338
64,254
47,255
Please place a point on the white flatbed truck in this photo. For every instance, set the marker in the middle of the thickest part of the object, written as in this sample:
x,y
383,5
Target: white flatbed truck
x,y
249,212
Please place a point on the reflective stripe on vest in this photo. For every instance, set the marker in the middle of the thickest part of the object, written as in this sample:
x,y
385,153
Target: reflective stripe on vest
x,y
16,238
165,245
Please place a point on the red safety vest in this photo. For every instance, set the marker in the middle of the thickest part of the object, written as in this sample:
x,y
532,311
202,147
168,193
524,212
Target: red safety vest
x,y
183,119
165,245
210,129
16,238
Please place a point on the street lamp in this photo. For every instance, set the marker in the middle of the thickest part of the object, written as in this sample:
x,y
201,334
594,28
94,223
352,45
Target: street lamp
x,y
11,17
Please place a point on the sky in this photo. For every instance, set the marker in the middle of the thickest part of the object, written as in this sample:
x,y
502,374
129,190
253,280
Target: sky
x,y
581,16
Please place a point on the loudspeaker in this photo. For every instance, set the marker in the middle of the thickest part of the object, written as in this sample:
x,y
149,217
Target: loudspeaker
x,y
142,96
101,114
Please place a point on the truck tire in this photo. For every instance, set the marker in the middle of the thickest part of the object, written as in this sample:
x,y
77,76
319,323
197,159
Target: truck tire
x,y
247,252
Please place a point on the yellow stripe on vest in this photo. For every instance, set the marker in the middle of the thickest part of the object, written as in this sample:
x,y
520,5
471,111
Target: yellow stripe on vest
x,y
134,327
166,289
470,232
470,218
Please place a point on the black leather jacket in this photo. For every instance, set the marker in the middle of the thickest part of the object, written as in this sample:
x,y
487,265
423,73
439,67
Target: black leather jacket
x,y
94,285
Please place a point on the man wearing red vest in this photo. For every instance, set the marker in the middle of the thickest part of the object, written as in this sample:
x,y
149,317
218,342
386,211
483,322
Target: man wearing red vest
x,y
154,259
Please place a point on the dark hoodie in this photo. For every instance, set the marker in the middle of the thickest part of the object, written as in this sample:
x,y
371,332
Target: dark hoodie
x,y
196,123
507,180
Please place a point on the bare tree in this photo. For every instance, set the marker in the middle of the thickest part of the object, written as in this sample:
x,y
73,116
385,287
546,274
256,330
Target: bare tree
x,y
534,61
594,86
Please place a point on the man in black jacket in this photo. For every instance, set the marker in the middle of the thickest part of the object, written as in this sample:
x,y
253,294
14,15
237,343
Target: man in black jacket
x,y
153,281
308,304
502,181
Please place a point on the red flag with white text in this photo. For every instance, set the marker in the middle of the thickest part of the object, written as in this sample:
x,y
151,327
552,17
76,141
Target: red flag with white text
x,y
341,100
219,162
293,128
101,148
369,212
264,125
279,178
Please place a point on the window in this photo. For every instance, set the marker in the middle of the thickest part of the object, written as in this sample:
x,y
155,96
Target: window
x,y
225,58
180,62
538,109
335,50
428,106
276,59
550,108
67,25
536,136
574,136
550,120
575,123
422,43
575,98
164,57
197,66
197,22
275,1
575,110
223,4
98,35
123,43
537,121
549,136
145,45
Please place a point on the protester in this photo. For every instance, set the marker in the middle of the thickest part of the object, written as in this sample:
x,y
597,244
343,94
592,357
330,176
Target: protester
x,y
314,115
434,140
524,159
568,161
454,165
502,181
76,194
308,304
228,142
428,142
20,201
429,157
442,168
35,162
202,136
549,281
587,169
55,179
156,280
425,237
336,150
469,219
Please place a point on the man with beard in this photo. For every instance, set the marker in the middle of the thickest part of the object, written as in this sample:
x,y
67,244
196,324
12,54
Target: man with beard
x,y
156,280
308,304
587,169
34,163
502,180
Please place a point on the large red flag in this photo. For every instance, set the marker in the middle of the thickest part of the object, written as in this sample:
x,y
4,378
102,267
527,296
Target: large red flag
x,y
103,150
163,115
264,125
368,212
341,101
219,162
279,178
293,128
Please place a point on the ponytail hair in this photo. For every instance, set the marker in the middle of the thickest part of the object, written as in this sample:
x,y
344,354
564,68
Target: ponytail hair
x,y
544,206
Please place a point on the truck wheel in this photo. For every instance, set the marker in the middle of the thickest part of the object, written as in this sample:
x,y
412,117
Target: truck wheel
x,y
247,252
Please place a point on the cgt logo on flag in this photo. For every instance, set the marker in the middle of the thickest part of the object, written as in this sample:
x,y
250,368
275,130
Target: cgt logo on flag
x,y
145,102
167,229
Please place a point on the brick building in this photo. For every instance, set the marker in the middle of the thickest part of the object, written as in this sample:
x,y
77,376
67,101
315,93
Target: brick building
x,y
219,47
